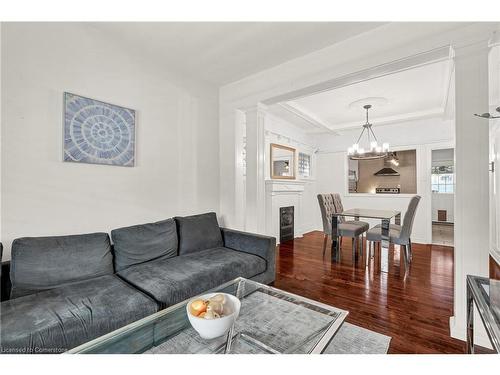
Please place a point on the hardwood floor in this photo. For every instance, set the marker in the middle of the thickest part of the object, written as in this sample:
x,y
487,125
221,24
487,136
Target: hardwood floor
x,y
414,310
494,269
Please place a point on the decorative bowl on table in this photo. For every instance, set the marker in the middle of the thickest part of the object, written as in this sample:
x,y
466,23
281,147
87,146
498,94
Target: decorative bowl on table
x,y
213,314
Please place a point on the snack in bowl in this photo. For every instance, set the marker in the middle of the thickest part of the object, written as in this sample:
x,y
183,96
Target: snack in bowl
x,y
212,315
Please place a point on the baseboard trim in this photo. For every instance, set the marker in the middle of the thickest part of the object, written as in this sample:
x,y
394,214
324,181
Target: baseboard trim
x,y
449,223
420,241
480,336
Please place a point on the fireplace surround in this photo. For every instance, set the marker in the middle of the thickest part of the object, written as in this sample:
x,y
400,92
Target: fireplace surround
x,y
287,221
284,194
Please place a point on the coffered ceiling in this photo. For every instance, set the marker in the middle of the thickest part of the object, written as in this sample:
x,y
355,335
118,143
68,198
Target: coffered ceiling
x,y
414,93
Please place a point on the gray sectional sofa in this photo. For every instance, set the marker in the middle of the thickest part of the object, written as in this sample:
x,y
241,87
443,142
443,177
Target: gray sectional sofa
x,y
60,292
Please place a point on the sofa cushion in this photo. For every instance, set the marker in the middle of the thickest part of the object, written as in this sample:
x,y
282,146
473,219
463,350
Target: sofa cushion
x,y
198,232
141,243
173,280
65,317
41,263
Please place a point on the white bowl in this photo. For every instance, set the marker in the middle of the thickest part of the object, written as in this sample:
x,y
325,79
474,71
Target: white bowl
x,y
212,328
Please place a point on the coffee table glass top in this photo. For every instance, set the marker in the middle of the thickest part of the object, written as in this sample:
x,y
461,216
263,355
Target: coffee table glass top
x,y
486,293
368,213
270,321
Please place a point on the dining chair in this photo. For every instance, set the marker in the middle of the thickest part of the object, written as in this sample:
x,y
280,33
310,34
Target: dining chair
x,y
330,204
399,235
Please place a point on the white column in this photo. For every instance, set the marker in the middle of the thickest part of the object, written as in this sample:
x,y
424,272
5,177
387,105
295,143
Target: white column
x,y
494,73
472,180
240,174
228,118
255,175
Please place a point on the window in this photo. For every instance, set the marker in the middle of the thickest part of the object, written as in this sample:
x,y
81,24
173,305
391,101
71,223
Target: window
x,y
443,179
304,165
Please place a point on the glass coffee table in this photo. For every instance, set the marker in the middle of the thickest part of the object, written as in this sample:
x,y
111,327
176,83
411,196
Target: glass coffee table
x,y
270,321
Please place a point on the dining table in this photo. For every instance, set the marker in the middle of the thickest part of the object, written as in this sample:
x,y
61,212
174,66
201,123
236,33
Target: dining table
x,y
385,216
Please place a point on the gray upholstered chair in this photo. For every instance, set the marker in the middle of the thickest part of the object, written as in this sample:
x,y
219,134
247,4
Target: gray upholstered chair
x,y
399,235
330,204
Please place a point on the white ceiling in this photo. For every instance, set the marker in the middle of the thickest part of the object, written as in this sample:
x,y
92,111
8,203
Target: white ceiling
x,y
224,52
415,93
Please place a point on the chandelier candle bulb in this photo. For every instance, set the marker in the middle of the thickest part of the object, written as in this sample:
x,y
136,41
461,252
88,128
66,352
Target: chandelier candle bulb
x,y
373,150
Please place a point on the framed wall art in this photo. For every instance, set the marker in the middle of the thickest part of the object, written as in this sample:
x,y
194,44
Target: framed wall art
x,y
96,132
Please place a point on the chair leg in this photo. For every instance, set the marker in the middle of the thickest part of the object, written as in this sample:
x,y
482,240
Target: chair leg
x,y
354,248
341,242
405,254
410,251
325,240
368,252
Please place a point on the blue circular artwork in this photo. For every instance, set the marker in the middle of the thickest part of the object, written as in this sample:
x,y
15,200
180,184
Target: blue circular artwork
x,y
97,132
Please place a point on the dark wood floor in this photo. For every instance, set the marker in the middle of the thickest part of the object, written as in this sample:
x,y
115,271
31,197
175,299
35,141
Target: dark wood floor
x,y
414,310
494,269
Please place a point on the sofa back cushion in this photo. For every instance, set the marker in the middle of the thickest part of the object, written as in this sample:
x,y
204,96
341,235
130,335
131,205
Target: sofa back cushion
x,y
141,243
198,232
41,263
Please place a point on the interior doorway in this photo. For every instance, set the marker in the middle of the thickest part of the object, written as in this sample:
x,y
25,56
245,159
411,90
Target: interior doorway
x,y
443,196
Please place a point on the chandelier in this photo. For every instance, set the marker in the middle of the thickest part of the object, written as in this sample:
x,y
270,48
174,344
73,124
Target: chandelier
x,y
373,150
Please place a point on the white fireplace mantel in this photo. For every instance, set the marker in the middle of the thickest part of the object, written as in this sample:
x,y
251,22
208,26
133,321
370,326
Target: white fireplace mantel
x,y
283,193
284,186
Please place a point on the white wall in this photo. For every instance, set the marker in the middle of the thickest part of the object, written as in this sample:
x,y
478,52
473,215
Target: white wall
x,y
177,164
329,166
494,93
422,135
0,132
443,202
282,132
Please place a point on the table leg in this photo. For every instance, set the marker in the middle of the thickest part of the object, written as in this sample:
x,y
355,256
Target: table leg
x,y
470,322
335,252
384,246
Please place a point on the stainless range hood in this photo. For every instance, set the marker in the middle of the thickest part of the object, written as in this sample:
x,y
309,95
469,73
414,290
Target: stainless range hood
x,y
386,172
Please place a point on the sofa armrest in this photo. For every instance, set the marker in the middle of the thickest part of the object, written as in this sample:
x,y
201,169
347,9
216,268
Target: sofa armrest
x,y
5,284
256,244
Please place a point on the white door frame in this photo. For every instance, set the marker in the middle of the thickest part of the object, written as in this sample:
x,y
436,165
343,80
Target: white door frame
x,y
433,147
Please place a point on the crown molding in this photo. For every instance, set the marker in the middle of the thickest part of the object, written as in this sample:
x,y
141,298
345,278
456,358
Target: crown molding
x,y
319,125
315,122
389,120
420,59
447,84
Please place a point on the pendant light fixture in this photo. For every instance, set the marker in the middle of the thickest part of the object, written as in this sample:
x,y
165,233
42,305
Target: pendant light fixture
x,y
373,149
